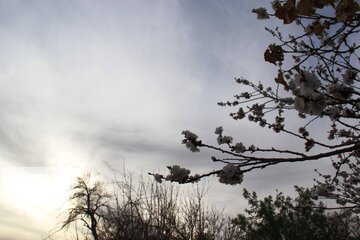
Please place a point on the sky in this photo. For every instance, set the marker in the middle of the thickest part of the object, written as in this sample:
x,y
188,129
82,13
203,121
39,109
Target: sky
x,y
99,85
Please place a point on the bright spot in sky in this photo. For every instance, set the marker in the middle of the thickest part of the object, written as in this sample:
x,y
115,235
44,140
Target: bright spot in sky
x,y
40,193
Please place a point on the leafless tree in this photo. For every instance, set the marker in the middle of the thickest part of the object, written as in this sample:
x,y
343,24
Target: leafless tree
x,y
149,210
89,202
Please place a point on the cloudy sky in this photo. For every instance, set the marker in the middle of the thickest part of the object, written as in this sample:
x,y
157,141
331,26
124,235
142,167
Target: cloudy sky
x,y
101,84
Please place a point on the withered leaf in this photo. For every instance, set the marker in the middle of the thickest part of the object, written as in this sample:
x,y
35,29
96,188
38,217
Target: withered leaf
x,y
306,7
346,10
274,53
318,29
280,79
286,12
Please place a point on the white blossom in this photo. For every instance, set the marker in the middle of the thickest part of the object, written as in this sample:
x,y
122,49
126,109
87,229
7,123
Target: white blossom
x,y
288,100
299,105
252,148
332,88
240,113
190,141
307,82
224,139
178,174
338,91
192,147
195,178
239,148
261,13
317,104
349,76
309,144
230,170
158,178
314,105
230,174
219,130
258,110
333,112
189,135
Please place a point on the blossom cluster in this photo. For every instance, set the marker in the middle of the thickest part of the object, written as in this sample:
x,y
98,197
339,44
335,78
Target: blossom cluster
x,y
307,97
230,174
261,13
191,141
178,174
237,148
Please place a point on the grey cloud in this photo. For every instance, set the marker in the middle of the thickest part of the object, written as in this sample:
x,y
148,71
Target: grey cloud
x,y
16,139
115,144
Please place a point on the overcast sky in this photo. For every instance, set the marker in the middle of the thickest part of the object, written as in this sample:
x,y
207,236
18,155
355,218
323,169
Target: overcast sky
x,y
101,84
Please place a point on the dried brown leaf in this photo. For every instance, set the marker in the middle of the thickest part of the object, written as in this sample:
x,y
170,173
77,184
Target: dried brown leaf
x,y
346,10
306,7
318,29
274,53
286,12
280,79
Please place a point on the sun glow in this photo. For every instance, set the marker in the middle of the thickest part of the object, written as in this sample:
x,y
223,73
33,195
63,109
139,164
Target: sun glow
x,y
40,193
